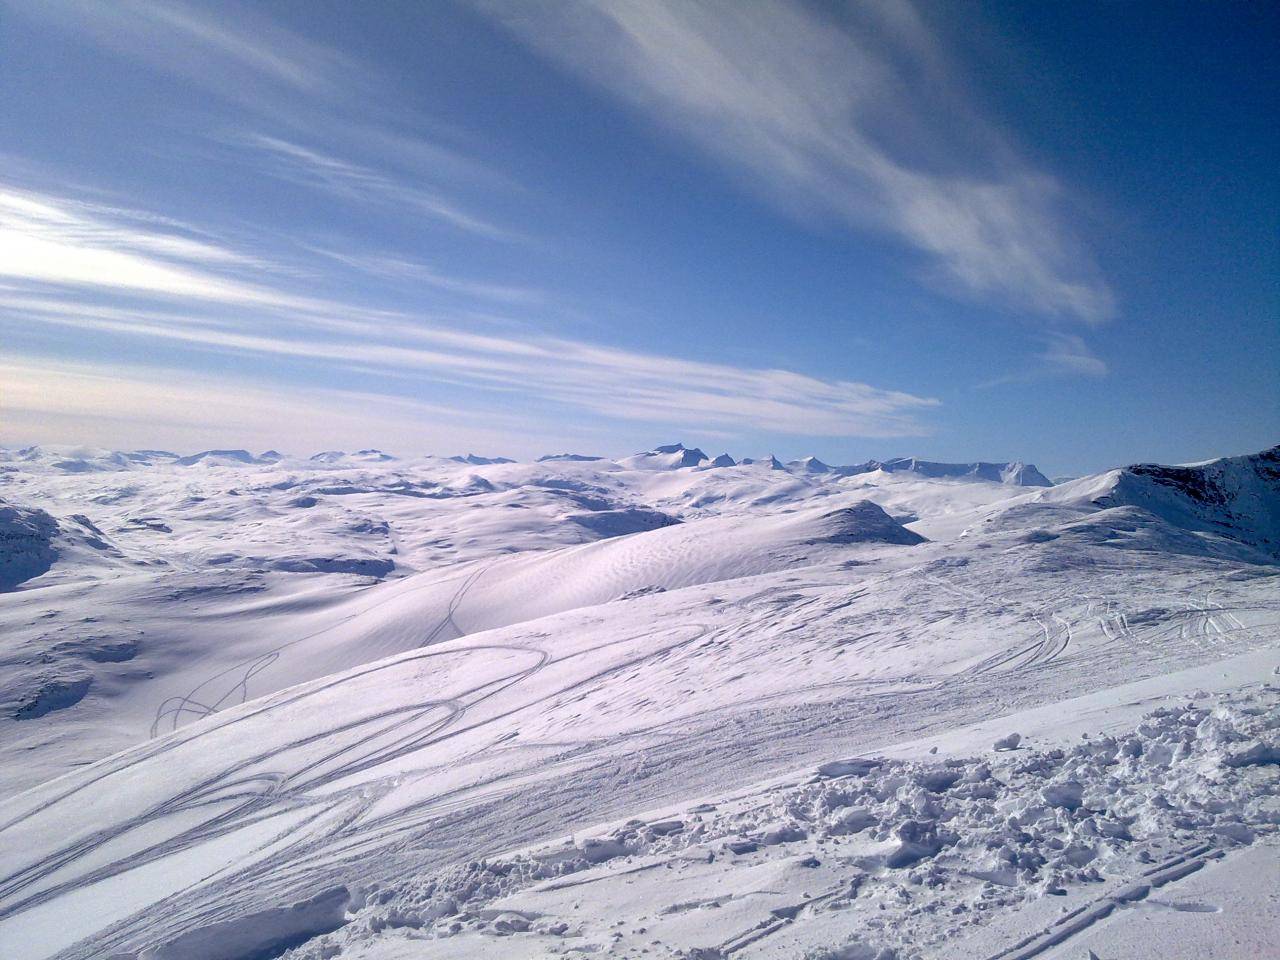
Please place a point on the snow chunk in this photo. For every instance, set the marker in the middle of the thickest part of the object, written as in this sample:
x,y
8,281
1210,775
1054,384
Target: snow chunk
x,y
1256,754
1068,794
858,767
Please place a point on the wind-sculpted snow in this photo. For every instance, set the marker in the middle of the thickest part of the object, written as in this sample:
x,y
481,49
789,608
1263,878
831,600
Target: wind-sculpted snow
x,y
372,707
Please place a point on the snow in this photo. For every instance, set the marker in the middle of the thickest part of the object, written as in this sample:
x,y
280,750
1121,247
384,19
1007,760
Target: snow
x,y
1221,910
1236,496
219,458
666,457
262,934
1016,473
26,544
568,457
367,706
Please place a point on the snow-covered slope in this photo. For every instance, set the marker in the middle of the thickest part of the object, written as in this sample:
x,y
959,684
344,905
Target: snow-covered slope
x,y
1229,506
26,544
32,542
711,736
1236,497
220,458
252,644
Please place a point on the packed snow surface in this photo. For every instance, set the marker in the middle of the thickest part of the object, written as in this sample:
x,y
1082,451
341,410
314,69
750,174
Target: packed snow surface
x,y
373,706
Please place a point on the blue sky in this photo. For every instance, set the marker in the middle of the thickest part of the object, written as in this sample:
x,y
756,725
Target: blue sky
x,y
969,230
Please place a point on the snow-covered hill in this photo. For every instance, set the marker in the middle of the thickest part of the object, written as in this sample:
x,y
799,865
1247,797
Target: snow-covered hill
x,y
26,544
32,541
1229,506
1236,497
362,705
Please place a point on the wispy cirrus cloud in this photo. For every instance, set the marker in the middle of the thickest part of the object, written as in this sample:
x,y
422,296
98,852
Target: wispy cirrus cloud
x,y
1063,355
233,52
859,116
354,182
56,401
300,89
399,269
1068,353
68,265
612,383
71,243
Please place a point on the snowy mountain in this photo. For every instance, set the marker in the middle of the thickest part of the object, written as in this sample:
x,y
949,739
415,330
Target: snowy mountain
x,y
567,458
809,465
220,458
1016,473
1206,507
361,706
478,461
32,541
671,456
1237,497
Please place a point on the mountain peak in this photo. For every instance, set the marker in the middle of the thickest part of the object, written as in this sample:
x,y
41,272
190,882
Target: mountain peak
x,y
568,458
809,465
216,457
478,461
668,455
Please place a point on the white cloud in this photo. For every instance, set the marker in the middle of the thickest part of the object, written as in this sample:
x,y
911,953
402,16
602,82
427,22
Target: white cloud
x,y
1063,354
813,111
69,264
282,80
1068,353
612,383
126,408
354,182
234,52
57,241
396,268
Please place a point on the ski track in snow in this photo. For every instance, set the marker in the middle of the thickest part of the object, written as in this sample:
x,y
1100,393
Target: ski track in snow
x,y
348,833
341,759
1186,861
398,732
178,710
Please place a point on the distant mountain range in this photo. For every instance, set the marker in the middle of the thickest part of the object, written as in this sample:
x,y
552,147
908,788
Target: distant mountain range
x,y
671,456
